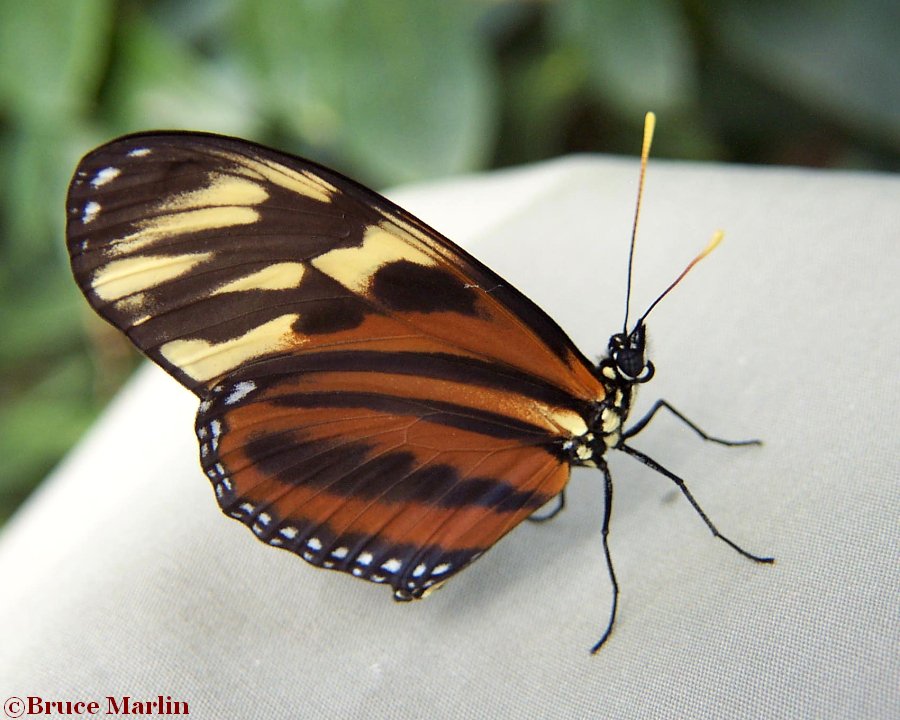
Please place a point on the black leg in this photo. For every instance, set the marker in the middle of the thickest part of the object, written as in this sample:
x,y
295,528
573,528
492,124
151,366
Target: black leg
x,y
560,504
612,573
651,463
643,422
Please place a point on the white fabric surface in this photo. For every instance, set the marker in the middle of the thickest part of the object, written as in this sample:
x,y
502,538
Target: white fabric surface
x,y
121,577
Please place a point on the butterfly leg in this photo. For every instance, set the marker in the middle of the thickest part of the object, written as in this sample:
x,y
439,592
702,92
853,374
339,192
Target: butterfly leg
x,y
659,404
607,512
652,464
560,504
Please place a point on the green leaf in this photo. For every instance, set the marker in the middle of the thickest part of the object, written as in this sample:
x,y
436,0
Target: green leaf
x,y
539,93
37,426
419,98
52,53
38,156
40,318
639,53
162,81
404,90
837,57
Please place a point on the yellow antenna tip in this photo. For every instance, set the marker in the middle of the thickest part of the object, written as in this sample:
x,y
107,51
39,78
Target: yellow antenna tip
x,y
649,127
717,237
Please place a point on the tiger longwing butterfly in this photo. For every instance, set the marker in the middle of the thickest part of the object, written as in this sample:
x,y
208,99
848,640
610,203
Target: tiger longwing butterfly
x,y
372,397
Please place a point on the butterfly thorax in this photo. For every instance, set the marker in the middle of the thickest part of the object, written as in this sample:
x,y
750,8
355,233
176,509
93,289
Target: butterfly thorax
x,y
620,372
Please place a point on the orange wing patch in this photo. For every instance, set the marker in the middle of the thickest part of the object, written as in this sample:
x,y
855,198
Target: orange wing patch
x,y
373,483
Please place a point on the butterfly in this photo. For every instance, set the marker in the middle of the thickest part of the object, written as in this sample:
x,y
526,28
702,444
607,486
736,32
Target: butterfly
x,y
372,397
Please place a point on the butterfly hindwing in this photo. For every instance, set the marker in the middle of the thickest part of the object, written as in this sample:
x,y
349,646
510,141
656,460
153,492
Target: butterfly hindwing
x,y
373,398
362,475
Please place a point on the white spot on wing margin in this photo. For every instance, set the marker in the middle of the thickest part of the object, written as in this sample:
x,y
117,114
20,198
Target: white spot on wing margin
x,y
90,212
239,391
104,176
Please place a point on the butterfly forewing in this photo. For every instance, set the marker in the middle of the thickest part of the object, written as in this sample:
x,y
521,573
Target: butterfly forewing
x,y
373,397
211,252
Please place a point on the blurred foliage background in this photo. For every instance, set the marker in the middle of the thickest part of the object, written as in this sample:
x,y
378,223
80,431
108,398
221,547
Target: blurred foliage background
x,y
390,91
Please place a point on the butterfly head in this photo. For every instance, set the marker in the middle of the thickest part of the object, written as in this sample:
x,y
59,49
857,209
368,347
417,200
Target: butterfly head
x,y
628,355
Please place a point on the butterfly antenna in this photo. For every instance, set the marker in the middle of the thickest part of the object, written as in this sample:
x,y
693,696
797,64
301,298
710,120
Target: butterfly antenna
x,y
712,245
649,126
